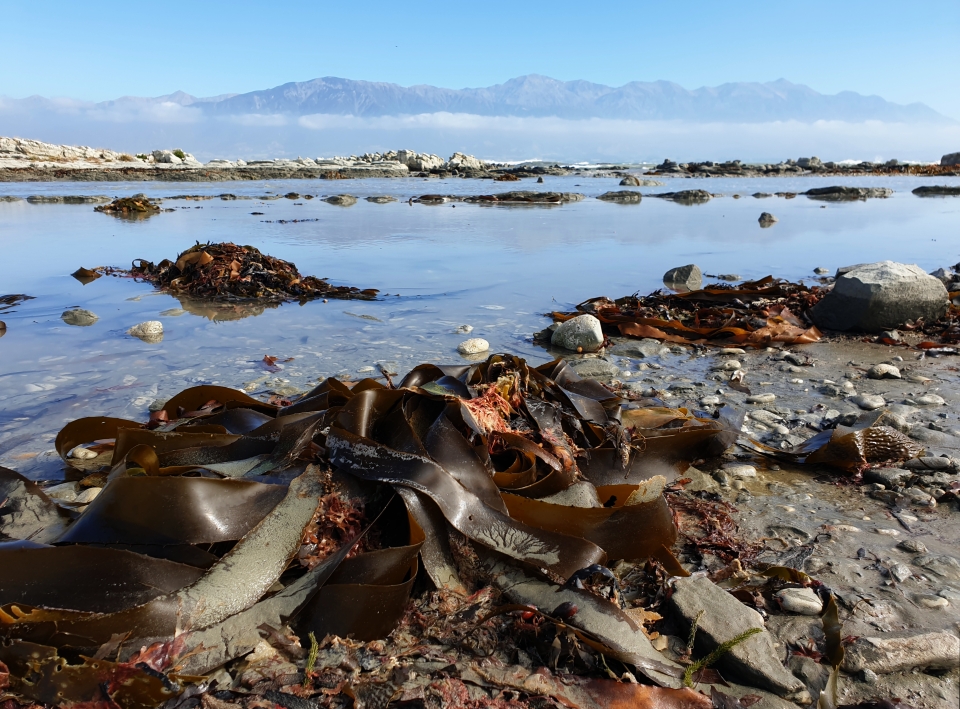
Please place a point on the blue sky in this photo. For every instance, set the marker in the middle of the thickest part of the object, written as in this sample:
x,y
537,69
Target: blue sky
x,y
902,51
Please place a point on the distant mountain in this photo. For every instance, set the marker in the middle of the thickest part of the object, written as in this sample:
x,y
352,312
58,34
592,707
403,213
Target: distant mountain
x,y
541,96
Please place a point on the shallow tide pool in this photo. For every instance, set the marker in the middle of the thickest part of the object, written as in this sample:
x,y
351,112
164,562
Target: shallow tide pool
x,y
496,268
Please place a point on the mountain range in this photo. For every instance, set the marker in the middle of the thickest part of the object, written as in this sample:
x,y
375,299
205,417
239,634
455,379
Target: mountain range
x,y
541,96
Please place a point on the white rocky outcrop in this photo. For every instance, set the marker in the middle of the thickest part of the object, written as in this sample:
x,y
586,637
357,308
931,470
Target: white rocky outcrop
x,y
460,161
419,162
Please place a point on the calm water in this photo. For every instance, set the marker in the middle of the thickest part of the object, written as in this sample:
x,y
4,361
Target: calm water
x,y
495,268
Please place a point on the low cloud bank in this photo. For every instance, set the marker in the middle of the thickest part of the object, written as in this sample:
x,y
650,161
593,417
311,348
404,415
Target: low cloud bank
x,y
136,126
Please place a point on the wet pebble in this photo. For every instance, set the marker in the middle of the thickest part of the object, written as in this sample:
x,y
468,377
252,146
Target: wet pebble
x,y
730,365
150,331
739,470
887,532
901,572
913,546
869,402
803,601
64,492
81,453
930,601
883,371
464,330
710,401
475,345
761,398
930,400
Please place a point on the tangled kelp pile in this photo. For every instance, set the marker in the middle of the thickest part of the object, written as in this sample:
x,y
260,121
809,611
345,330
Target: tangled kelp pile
x,y
137,205
228,528
226,270
754,313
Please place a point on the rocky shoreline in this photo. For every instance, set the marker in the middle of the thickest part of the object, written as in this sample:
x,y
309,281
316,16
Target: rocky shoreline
x,y
34,161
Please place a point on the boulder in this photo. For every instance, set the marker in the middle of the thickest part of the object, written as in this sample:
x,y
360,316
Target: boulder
x,y
685,196
880,296
166,157
419,162
809,163
459,161
582,333
630,181
950,159
475,345
150,331
684,278
79,317
341,200
767,220
722,617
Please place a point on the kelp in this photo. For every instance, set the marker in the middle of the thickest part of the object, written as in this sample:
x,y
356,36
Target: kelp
x,y
222,514
139,205
754,313
226,270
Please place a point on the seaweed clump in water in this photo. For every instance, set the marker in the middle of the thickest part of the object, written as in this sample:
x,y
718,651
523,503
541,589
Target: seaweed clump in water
x,y
226,270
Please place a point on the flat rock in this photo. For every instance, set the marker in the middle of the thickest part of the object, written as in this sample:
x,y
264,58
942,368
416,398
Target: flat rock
x,y
761,398
938,191
754,661
803,601
899,652
739,470
582,333
930,400
381,198
941,565
79,317
685,196
888,477
341,200
634,181
647,347
843,194
880,296
622,196
475,345
684,278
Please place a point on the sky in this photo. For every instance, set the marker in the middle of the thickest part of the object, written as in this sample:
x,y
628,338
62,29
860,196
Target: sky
x,y
904,52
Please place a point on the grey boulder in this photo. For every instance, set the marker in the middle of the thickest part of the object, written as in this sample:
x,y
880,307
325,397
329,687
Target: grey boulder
x,y
767,220
79,317
630,181
621,196
843,194
950,159
753,661
683,278
880,296
582,333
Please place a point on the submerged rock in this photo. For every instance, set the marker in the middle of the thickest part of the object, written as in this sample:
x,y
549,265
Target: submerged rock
x,y
938,191
79,317
880,296
381,199
767,220
686,196
684,278
150,331
582,333
341,200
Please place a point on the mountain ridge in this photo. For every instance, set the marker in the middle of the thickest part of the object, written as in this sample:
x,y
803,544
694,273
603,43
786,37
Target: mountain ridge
x,y
540,96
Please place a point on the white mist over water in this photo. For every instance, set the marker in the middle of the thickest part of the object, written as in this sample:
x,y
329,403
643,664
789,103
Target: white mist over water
x,y
146,126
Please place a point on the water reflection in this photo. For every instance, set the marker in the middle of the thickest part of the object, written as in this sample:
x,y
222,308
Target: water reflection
x,y
221,310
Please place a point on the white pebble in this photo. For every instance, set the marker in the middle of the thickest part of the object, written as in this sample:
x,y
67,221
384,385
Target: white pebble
x,y
87,496
930,400
475,345
761,398
150,331
740,470
887,532
803,601
730,365
883,371
81,453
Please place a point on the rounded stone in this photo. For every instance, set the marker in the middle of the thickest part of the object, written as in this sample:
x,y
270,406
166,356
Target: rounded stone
x,y
803,601
149,331
79,317
883,371
684,278
582,332
761,398
880,296
475,345
740,470
869,402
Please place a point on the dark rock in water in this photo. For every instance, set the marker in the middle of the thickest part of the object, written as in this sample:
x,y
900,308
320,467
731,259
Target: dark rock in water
x,y
950,159
341,200
880,296
69,199
684,278
622,196
685,196
767,220
841,194
761,195
381,199
540,180
292,195
938,191
526,197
